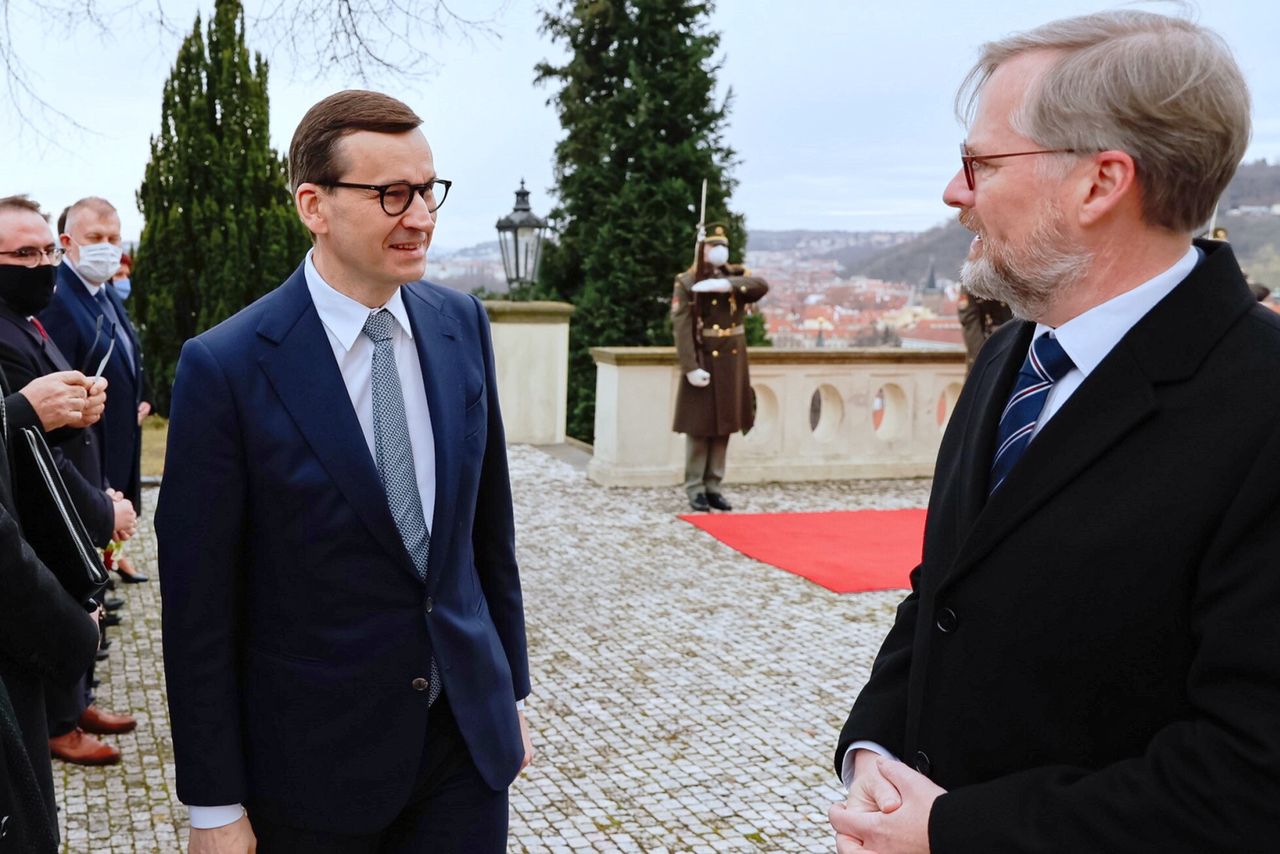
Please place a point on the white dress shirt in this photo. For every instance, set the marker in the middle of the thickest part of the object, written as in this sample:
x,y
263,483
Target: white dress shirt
x,y
343,320
1087,339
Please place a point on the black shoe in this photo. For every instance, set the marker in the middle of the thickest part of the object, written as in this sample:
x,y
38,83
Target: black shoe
x,y
101,655
111,620
113,603
699,503
105,643
717,502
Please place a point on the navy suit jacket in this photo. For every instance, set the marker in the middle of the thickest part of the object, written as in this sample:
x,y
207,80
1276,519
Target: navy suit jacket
x,y
295,625
71,320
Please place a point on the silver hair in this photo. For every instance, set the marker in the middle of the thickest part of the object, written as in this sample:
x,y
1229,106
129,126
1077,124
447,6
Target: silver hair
x,y
1164,90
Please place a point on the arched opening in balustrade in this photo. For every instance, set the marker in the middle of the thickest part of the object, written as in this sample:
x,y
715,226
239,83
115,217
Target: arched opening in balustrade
x,y
826,412
947,404
764,403
889,411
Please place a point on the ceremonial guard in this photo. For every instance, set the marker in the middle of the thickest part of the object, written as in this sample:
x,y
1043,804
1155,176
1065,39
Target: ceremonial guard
x,y
978,319
708,310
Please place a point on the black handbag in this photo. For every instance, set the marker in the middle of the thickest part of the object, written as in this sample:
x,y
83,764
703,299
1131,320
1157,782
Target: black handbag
x,y
51,525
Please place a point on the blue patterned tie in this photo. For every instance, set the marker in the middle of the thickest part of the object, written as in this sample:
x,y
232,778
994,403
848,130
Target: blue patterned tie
x,y
395,455
1046,363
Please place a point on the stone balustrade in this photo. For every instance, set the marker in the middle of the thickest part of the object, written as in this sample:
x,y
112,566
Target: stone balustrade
x,y
531,355
820,415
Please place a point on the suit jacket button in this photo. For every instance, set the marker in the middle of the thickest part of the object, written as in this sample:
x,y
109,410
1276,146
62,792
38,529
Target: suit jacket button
x,y
429,605
420,684
922,762
947,622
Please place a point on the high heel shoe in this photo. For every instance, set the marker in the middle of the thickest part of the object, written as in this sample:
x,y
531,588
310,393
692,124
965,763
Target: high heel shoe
x,y
127,573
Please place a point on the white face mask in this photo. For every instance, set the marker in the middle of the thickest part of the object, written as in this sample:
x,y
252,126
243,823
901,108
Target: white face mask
x,y
98,261
717,255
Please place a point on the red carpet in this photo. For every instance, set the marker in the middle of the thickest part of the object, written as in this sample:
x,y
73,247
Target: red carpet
x,y
844,551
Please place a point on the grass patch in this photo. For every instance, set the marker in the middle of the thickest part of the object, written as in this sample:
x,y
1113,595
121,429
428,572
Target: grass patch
x,y
155,434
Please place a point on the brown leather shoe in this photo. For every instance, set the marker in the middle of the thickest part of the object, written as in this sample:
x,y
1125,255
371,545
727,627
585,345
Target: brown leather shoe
x,y
105,723
79,748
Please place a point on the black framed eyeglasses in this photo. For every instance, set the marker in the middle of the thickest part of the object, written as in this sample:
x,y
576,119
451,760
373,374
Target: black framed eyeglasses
x,y
967,160
395,198
29,256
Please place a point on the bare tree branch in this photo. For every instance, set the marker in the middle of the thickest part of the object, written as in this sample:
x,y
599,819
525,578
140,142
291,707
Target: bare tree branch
x,y
371,40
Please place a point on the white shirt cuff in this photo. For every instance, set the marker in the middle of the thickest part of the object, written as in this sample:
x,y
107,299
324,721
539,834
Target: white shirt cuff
x,y
519,705
846,767
207,818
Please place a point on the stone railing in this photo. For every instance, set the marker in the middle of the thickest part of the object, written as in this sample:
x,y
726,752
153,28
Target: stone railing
x,y
531,354
820,415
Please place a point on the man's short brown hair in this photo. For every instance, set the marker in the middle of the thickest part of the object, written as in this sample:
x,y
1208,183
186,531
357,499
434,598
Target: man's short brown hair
x,y
313,153
22,203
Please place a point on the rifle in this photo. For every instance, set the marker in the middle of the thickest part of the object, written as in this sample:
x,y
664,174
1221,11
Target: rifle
x,y
700,235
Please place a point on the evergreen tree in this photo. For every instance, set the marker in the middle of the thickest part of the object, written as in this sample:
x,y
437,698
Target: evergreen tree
x,y
642,130
220,228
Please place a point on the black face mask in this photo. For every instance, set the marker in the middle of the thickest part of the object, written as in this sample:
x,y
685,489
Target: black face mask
x,y
27,290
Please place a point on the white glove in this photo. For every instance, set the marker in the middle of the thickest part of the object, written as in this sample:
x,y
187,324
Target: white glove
x,y
712,286
698,378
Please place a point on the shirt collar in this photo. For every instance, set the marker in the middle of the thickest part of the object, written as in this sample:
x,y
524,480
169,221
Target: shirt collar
x,y
89,286
1089,337
343,316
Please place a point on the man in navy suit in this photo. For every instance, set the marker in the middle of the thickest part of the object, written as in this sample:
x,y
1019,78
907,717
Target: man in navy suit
x,y
83,318
343,624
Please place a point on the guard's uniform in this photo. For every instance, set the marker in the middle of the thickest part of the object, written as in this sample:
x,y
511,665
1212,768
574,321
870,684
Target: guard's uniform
x,y
718,345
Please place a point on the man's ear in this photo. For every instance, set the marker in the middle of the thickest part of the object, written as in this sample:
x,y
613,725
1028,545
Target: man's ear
x,y
65,240
309,202
1110,182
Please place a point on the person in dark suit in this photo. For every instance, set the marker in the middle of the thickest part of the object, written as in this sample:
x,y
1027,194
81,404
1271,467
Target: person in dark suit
x,y
27,354
46,637
1089,658
343,623
83,319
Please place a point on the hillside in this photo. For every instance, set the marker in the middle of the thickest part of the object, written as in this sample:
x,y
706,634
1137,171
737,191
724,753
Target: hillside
x,y
1254,237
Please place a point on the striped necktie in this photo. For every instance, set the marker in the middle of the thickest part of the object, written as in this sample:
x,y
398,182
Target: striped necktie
x,y
1046,363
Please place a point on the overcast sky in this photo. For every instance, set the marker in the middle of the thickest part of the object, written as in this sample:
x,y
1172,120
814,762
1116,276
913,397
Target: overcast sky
x,y
842,113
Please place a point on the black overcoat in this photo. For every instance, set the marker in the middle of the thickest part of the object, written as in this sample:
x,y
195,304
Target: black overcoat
x,y
1090,660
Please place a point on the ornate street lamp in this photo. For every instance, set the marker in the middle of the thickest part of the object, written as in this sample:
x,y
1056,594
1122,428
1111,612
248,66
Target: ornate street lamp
x,y
520,235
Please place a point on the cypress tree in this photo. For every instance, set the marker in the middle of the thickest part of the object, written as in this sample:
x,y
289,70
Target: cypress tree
x,y
220,228
642,130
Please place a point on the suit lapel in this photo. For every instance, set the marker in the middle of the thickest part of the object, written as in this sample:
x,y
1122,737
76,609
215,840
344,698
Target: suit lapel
x,y
298,360
1166,345
435,337
992,387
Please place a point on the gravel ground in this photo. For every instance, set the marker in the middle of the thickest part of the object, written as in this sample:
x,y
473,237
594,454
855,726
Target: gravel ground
x,y
686,697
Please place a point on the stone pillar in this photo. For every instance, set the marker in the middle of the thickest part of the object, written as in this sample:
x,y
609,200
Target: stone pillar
x,y
531,352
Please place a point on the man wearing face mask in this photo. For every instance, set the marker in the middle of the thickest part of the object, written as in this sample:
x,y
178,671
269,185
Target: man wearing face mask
x,y
47,641
83,319
708,310
27,354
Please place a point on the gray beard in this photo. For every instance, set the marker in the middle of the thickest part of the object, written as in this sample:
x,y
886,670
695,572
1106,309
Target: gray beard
x,y
1028,278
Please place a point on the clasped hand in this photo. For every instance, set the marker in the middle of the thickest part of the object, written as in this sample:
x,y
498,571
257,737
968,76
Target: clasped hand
x,y
712,286
887,811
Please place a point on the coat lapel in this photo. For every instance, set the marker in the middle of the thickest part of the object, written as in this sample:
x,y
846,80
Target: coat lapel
x,y
1166,345
298,348
435,336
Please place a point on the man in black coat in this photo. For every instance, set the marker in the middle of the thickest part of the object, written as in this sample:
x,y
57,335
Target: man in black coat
x,y
46,638
1089,658
27,353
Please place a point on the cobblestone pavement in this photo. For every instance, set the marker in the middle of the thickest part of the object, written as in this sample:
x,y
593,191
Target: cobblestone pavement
x,y
686,698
